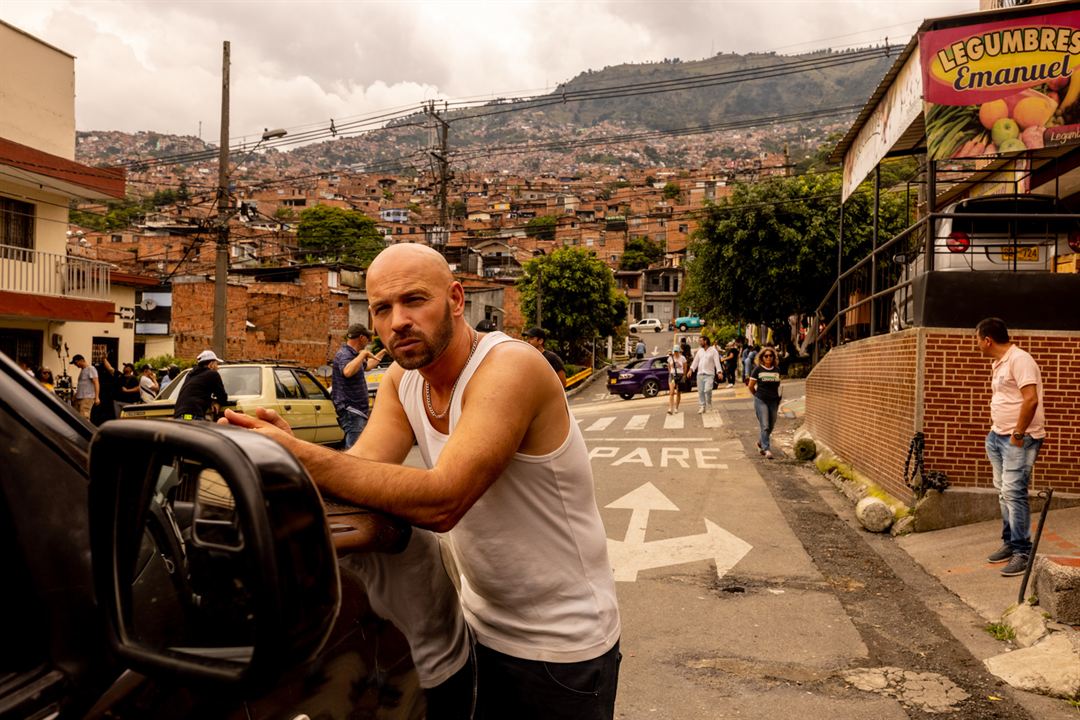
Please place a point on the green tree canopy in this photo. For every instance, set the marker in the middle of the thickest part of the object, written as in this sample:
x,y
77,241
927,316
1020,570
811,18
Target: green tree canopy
x,y
542,227
769,249
671,190
336,234
579,300
640,253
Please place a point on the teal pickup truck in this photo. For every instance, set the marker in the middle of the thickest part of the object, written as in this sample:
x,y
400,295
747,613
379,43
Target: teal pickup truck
x,y
688,322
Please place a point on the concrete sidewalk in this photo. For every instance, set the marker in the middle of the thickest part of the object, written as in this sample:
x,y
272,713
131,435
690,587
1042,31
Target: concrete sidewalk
x,y
1043,657
957,557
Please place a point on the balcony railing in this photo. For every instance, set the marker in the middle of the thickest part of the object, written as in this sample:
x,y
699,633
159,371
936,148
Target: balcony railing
x,y
43,273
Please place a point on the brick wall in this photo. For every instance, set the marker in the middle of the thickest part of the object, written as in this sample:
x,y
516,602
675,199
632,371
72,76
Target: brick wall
x,y
957,407
302,323
862,401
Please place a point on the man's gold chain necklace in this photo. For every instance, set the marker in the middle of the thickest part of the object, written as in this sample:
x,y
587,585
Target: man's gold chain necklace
x,y
427,385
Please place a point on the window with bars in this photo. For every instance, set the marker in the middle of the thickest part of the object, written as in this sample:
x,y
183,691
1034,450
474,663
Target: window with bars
x,y
16,229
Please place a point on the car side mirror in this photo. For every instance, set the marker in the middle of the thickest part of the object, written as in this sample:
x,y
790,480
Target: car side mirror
x,y
211,554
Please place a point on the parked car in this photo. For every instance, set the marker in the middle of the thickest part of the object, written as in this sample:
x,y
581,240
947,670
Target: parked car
x,y
653,324
1030,243
173,570
688,322
648,376
292,391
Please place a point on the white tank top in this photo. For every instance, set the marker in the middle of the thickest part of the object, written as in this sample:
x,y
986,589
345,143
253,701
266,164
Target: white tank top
x,y
532,551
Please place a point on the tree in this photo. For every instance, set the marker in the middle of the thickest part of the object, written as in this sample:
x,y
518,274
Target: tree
x,y
769,250
336,234
542,227
640,253
578,297
671,190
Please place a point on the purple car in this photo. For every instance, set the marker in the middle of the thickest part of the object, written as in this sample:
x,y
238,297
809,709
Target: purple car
x,y
647,376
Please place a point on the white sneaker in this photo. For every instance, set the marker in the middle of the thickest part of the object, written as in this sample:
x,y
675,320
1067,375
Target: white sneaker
x,y
700,410
731,385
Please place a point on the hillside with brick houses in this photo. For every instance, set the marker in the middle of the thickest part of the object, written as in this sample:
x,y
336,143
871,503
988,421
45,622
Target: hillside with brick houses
x,y
503,207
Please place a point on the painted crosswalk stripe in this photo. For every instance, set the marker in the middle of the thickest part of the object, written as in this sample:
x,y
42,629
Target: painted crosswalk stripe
x,y
601,424
711,419
674,422
637,422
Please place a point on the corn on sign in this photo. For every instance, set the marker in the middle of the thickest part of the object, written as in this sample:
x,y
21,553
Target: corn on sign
x,y
1002,87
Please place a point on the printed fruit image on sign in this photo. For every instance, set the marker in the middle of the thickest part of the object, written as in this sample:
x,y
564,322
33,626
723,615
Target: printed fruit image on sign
x,y
1002,87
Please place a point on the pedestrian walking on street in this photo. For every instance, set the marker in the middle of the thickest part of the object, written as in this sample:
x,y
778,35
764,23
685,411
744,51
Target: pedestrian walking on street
x,y
639,349
764,385
684,345
750,353
506,480
203,393
707,366
87,388
348,385
676,373
730,361
1017,430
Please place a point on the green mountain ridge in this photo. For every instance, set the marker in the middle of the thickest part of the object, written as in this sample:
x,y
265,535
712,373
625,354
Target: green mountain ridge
x,y
725,89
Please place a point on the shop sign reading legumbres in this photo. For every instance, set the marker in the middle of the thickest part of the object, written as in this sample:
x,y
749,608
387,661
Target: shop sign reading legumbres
x,y
1002,87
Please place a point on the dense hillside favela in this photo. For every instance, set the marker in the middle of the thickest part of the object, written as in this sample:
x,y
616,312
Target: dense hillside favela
x,y
612,159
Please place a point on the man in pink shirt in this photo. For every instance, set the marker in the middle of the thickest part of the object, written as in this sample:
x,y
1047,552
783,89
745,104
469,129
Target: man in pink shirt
x,y
1016,434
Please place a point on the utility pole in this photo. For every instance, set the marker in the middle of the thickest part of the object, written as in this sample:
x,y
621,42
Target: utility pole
x,y
222,271
539,293
438,140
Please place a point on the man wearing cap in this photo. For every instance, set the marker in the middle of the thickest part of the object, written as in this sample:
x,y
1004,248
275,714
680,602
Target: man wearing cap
x,y
201,390
88,388
536,337
348,387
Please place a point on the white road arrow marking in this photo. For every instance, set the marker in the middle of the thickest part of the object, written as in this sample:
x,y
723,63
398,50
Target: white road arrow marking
x,y
641,501
633,554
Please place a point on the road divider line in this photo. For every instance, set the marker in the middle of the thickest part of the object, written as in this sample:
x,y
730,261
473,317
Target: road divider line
x,y
712,419
674,422
637,422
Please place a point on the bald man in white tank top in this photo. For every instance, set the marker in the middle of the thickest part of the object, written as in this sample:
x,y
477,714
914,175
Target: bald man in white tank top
x,y
508,481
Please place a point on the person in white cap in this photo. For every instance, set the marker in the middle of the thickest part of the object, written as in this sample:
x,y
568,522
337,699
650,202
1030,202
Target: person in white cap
x,y
202,389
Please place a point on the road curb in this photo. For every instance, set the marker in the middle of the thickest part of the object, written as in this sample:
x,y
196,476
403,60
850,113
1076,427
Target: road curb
x,y
586,383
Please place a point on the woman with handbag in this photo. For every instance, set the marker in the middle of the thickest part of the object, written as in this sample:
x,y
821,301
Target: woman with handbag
x,y
676,365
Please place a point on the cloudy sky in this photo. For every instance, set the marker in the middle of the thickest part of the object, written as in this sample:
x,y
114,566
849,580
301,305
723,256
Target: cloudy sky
x,y
156,65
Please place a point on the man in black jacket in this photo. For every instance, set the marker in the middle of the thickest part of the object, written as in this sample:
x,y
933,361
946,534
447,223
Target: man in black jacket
x,y
202,388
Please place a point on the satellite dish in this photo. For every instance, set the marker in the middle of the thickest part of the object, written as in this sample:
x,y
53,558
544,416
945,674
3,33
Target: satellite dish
x,y
148,304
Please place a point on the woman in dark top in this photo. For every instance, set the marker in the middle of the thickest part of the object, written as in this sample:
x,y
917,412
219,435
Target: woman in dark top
x,y
765,387
128,390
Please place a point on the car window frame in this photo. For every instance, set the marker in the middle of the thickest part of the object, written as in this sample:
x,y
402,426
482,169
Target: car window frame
x,y
279,385
300,375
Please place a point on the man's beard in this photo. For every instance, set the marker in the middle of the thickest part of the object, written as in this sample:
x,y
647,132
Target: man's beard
x,y
429,348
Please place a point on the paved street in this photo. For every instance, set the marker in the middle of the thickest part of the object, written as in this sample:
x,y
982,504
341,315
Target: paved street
x,y
746,591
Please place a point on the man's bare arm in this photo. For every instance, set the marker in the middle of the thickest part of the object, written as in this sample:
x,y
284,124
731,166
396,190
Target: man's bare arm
x,y
1027,409
501,404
